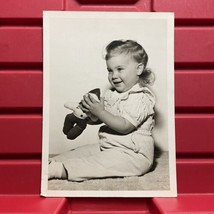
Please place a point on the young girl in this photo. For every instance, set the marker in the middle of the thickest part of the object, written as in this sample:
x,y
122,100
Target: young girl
x,y
126,145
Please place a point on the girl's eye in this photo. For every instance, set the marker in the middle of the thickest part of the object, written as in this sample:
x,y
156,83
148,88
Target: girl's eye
x,y
120,69
110,71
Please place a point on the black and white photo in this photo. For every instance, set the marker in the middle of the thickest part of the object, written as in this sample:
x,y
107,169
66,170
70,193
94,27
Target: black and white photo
x,y
108,107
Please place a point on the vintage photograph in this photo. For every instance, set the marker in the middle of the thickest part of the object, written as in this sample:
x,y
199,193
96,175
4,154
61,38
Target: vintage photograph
x,y
108,105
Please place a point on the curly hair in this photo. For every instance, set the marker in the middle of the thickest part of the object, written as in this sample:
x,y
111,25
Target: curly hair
x,y
136,51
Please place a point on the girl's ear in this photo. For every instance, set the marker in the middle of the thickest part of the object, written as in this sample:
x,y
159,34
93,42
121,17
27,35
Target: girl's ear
x,y
140,69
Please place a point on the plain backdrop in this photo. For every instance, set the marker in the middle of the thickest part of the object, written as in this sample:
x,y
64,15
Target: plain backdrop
x,y
74,45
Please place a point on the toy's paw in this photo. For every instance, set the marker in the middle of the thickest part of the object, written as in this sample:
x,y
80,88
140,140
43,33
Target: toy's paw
x,y
79,113
71,105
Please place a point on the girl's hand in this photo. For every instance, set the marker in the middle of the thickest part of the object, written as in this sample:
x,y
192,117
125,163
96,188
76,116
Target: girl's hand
x,y
117,123
91,105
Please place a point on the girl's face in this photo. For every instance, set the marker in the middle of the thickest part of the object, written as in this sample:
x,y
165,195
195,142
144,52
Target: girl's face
x,y
123,72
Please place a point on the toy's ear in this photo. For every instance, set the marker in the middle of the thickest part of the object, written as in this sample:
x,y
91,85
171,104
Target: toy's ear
x,y
71,105
95,91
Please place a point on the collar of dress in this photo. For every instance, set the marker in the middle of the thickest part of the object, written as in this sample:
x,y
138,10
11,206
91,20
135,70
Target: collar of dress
x,y
137,89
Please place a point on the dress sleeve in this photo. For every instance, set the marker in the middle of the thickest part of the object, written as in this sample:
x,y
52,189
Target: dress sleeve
x,y
137,108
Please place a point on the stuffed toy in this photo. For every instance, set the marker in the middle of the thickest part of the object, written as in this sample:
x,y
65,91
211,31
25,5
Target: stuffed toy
x,y
76,122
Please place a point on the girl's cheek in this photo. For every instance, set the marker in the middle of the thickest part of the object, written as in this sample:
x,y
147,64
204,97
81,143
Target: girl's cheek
x,y
109,77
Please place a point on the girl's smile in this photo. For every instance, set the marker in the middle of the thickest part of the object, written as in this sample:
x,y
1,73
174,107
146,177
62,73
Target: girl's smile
x,y
123,72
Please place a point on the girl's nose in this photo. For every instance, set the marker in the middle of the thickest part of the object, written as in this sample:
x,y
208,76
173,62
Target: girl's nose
x,y
115,75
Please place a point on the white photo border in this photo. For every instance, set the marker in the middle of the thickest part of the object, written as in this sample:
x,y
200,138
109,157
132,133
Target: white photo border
x,y
169,18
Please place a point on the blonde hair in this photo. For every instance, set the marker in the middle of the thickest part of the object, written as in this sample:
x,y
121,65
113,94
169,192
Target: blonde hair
x,y
136,51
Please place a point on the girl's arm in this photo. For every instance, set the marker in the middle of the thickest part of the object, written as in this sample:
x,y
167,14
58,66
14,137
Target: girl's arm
x,y
116,123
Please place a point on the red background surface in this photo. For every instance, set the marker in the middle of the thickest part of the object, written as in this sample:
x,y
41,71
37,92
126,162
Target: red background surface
x,y
21,107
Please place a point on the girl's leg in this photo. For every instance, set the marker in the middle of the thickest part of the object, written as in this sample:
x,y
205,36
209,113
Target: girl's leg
x,y
56,168
82,151
108,163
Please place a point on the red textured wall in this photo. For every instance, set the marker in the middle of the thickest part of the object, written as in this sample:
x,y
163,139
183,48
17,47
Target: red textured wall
x,y
21,87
